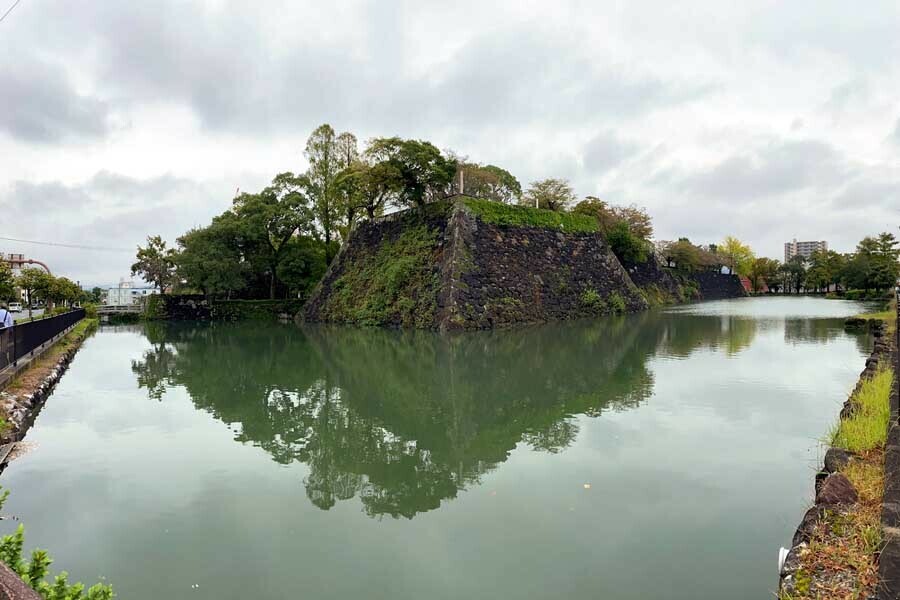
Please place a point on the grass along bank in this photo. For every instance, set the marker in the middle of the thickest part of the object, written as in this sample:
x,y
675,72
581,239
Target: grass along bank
x,y
840,559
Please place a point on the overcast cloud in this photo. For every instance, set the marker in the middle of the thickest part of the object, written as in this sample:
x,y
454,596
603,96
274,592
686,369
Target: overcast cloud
x,y
766,121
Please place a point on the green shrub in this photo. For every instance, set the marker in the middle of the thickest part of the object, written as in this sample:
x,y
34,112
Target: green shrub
x,y
627,246
592,302
616,302
155,307
507,215
867,294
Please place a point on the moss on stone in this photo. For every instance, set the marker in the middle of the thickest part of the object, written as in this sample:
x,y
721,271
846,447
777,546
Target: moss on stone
x,y
616,302
396,283
657,296
592,303
523,216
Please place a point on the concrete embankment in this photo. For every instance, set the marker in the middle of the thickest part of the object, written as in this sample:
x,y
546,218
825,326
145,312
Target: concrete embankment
x,y
24,396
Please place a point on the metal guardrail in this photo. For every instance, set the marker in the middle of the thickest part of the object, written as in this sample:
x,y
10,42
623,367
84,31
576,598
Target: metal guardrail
x,y
22,339
113,309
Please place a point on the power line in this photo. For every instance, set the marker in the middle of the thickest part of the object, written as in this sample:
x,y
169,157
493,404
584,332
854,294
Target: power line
x,y
9,10
61,245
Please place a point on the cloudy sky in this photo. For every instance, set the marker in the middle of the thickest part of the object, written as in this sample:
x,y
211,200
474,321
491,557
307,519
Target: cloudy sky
x,y
768,120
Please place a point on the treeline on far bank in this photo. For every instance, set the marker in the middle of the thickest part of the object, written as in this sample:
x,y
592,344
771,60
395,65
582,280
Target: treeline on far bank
x,y
277,243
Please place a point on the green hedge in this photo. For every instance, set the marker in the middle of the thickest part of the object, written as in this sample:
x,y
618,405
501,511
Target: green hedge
x,y
523,216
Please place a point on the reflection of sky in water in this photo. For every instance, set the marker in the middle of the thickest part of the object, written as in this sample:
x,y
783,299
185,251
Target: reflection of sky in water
x,y
270,459
776,306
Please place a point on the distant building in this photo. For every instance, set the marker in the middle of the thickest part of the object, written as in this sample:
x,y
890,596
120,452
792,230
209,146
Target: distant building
x,y
127,293
804,249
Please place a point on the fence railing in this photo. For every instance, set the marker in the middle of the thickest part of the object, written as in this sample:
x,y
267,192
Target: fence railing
x,y
22,339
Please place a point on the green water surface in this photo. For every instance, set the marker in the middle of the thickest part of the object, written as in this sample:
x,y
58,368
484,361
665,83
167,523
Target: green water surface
x,y
660,455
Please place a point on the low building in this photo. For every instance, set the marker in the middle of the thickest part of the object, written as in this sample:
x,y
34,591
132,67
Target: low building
x,y
804,249
127,294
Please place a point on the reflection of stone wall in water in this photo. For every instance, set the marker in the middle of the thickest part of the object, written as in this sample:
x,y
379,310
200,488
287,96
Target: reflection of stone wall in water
x,y
447,267
403,420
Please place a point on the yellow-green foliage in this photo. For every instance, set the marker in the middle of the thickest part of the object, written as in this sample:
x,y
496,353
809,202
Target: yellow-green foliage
x,y
524,216
395,284
867,428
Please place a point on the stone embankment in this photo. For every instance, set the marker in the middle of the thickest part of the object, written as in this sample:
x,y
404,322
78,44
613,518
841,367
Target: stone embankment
x,y
835,494
470,264
197,307
25,396
718,286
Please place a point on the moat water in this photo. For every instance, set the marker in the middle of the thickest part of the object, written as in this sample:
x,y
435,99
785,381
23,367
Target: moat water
x,y
661,455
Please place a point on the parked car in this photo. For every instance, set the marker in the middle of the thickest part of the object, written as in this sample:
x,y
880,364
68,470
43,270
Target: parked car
x,y
15,307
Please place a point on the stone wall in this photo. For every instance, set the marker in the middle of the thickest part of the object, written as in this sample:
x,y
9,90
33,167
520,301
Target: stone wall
x,y
718,286
658,283
445,267
532,274
196,307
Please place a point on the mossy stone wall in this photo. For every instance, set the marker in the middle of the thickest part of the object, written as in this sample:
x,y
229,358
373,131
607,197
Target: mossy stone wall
x,y
457,265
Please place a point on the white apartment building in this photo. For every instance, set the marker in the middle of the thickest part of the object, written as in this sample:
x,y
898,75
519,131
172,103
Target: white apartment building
x,y
804,249
127,294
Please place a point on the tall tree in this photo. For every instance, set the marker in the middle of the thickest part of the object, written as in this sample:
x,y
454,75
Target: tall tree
x,y
7,281
325,162
34,283
302,265
155,263
738,255
210,258
762,271
550,194
489,182
375,184
425,172
608,215
793,274
270,218
347,193
63,290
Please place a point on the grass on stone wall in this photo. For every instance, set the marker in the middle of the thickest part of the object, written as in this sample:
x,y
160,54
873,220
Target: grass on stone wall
x,y
397,283
656,295
506,215
888,315
867,428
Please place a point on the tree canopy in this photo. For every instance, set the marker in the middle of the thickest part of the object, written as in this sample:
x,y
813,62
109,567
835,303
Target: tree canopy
x,y
550,194
155,263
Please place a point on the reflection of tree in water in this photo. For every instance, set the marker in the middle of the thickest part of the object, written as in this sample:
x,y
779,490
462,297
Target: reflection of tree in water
x,y
682,334
804,331
406,419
